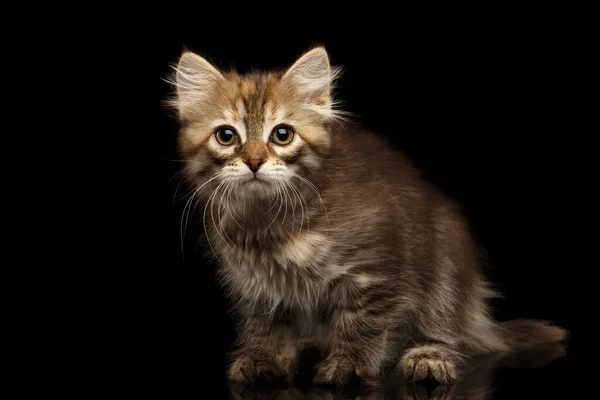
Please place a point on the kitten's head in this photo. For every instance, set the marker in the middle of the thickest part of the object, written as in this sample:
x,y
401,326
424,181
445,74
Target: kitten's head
x,y
256,131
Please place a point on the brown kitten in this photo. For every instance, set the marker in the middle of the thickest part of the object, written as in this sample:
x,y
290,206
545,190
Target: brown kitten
x,y
324,234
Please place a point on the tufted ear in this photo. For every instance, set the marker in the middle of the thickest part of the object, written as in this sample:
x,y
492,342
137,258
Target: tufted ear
x,y
312,75
194,79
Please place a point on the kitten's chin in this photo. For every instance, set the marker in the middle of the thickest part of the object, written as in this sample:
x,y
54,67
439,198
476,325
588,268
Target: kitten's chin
x,y
258,186
256,183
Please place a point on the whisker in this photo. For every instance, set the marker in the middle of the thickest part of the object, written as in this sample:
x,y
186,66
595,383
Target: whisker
x,y
232,211
220,208
181,182
279,197
299,197
184,217
285,199
212,215
316,191
177,174
293,205
187,209
274,201
209,201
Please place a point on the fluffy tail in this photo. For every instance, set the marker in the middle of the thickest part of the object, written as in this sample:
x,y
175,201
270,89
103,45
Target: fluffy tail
x,y
526,334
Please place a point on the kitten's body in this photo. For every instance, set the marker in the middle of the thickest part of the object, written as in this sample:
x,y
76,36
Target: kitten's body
x,y
342,243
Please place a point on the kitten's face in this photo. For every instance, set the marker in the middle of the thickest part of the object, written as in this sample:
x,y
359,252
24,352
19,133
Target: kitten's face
x,y
258,132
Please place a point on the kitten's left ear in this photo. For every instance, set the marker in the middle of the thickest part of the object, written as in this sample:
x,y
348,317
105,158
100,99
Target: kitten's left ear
x,y
313,76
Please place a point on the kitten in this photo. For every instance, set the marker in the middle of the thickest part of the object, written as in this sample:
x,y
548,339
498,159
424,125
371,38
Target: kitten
x,y
325,235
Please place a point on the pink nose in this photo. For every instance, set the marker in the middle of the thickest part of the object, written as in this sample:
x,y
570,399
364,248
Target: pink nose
x,y
254,164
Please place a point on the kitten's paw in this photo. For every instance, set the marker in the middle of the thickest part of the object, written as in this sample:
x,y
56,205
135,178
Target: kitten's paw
x,y
340,371
247,369
429,362
335,371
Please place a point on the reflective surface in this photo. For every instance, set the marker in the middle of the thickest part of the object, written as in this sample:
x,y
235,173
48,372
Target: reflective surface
x,y
536,374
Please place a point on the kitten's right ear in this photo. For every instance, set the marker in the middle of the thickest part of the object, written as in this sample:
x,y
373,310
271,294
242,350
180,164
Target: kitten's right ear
x,y
313,77
194,79
312,74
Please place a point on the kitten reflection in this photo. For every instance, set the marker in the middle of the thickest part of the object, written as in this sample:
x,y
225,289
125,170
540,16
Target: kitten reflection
x,y
477,383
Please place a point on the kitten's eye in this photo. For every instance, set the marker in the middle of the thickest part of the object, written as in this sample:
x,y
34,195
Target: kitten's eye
x,y
225,136
282,135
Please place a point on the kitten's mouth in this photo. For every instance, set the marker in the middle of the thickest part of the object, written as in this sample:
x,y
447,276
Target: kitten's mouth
x,y
255,180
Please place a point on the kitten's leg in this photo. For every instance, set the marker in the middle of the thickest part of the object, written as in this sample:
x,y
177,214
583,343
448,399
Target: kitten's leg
x,y
265,350
358,346
445,330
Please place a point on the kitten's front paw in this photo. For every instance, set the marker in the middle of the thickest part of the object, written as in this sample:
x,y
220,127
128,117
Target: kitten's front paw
x,y
335,371
429,361
340,371
247,369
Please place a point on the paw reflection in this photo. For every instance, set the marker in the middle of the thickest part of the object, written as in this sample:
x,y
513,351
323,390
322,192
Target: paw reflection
x,y
425,392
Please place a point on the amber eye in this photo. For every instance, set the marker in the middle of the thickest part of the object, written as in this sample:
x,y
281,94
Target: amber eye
x,y
225,136
282,135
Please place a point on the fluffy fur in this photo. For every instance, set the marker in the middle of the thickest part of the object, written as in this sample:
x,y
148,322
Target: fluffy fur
x,y
335,240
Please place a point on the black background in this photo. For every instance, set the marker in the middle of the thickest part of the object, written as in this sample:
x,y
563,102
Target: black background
x,y
482,106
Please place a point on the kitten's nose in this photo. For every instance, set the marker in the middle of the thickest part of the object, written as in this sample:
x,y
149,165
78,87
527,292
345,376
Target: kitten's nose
x,y
254,164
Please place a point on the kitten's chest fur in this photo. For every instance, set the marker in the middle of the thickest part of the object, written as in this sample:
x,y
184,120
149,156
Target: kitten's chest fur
x,y
294,272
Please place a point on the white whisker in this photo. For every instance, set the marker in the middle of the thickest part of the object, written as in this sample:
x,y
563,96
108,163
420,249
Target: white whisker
x,y
286,187
212,215
222,206
279,199
187,209
209,201
285,200
274,201
184,217
302,206
315,190
231,210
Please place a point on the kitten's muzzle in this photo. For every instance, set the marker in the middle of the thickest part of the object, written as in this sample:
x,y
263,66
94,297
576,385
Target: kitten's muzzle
x,y
254,163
